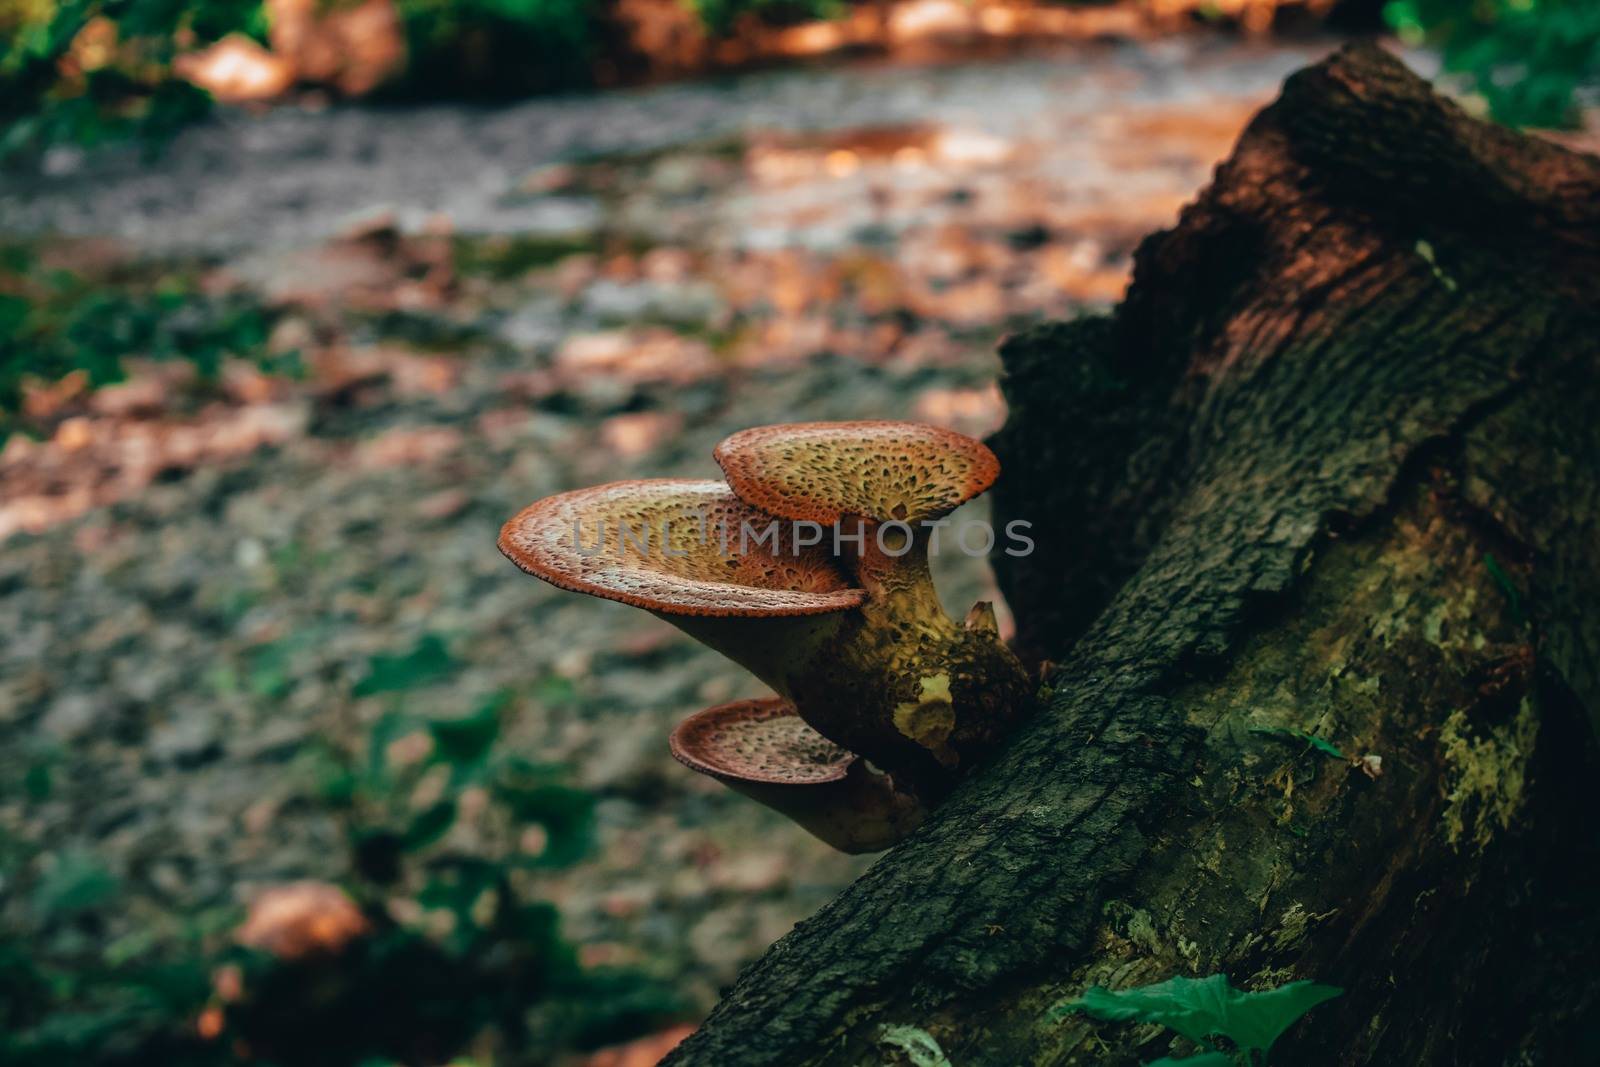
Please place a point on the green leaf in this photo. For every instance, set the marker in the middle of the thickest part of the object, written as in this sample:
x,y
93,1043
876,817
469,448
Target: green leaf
x,y
458,887
37,781
430,825
1321,744
537,794
466,742
537,925
1256,1020
428,662
1202,1008
1205,1059
77,882
1192,1007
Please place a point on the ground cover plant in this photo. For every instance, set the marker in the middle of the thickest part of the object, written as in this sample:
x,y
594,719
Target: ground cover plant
x,y
433,947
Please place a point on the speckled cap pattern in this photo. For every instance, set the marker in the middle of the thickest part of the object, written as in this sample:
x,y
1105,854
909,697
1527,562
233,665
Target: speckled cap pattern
x,y
758,741
825,471
684,553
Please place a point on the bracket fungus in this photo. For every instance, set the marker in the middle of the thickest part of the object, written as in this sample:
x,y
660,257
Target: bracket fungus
x,y
853,639
907,687
679,549
764,750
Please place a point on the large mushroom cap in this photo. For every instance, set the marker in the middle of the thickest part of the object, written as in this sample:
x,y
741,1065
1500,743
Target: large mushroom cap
x,y
762,741
556,539
824,471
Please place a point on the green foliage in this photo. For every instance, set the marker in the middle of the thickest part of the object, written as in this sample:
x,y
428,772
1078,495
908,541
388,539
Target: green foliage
x,y
445,827
512,969
1205,1009
1525,57
127,1014
464,743
76,882
1205,1059
65,998
48,96
58,322
456,48
385,826
427,662
497,48
38,781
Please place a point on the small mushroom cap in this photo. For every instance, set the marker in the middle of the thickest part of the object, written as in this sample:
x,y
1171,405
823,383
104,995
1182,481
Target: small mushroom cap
x,y
758,741
824,471
557,538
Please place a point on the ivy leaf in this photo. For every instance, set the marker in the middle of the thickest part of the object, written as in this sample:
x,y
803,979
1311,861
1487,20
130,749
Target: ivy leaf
x,y
1256,1020
1192,1007
1201,1008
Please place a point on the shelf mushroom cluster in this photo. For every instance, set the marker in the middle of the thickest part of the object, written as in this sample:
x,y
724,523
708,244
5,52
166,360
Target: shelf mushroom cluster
x,y
809,567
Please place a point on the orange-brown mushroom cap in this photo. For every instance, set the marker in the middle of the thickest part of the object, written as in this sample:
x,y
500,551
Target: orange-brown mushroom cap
x,y
762,741
764,750
690,573
824,471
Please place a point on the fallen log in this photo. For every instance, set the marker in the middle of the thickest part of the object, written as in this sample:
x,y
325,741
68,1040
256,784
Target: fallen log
x,y
1317,511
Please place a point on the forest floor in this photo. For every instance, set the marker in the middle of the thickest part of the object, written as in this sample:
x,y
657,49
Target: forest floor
x,y
205,574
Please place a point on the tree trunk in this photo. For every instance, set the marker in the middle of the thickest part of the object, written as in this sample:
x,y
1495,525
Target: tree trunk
x,y
1333,466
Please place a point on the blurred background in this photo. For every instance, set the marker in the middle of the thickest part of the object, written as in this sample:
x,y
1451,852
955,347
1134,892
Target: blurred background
x,y
299,300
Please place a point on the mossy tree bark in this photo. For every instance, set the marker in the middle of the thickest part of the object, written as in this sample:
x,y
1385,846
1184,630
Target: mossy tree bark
x,y
1333,466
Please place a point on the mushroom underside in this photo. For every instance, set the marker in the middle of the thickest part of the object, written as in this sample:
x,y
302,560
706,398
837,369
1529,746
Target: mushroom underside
x,y
765,751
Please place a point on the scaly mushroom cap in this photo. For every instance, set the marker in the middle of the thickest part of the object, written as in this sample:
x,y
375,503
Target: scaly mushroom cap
x,y
556,539
762,741
824,471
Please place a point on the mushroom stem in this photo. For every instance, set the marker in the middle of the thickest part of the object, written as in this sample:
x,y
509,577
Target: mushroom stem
x,y
892,566
861,812
764,750
899,681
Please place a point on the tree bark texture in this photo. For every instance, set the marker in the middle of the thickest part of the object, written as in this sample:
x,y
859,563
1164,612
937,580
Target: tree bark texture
x,y
1332,467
